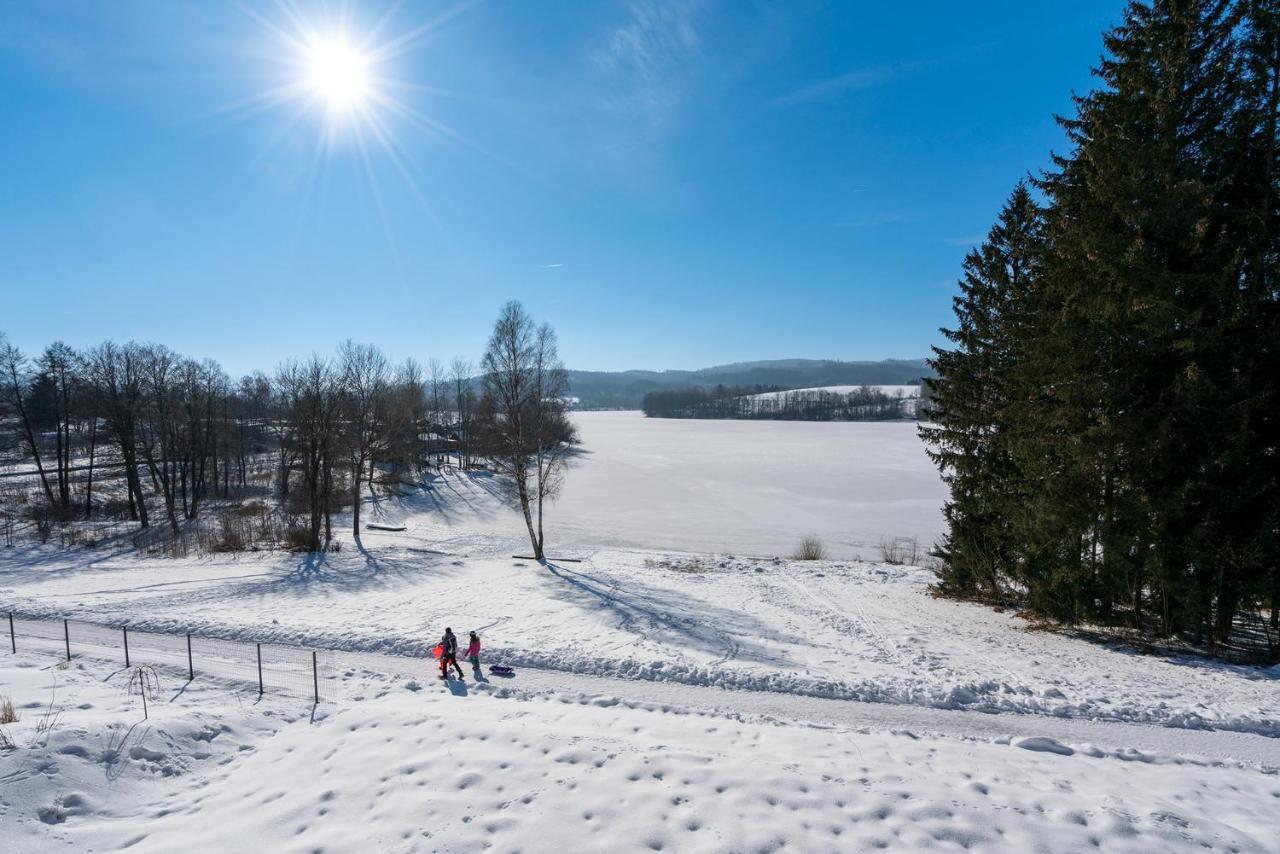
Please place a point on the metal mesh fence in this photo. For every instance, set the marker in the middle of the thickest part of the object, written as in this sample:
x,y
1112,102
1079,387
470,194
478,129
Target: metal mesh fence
x,y
271,668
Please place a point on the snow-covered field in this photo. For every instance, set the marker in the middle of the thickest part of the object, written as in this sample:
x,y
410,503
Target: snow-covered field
x,y
842,630
664,699
407,764
903,390
747,487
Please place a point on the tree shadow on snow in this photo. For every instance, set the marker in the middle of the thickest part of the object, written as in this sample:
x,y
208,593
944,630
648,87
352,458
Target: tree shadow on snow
x,y
317,574
1181,656
673,618
29,563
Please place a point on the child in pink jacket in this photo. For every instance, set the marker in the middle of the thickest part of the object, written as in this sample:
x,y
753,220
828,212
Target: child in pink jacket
x,y
473,651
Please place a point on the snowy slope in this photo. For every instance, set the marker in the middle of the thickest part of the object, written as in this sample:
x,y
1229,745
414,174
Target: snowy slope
x,y
903,390
408,764
664,700
840,629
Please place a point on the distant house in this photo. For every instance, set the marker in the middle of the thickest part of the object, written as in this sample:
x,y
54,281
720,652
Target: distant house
x,y
439,441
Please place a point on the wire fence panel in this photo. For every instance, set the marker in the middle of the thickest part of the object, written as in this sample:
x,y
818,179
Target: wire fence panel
x,y
157,650
40,636
271,668
95,641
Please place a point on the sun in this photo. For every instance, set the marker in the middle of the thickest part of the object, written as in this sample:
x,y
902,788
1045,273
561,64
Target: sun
x,y
340,75
336,73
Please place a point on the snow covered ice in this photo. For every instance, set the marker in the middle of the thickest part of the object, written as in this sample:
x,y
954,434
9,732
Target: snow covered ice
x,y
745,487
692,695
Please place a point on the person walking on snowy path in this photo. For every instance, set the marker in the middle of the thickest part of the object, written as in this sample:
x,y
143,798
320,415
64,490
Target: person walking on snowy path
x,y
473,652
449,654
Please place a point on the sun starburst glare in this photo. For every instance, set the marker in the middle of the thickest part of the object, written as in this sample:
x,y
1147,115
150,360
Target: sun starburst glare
x,y
336,72
342,75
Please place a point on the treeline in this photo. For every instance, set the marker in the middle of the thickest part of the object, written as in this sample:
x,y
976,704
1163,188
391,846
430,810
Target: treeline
x,y
865,403
1107,417
626,389
139,432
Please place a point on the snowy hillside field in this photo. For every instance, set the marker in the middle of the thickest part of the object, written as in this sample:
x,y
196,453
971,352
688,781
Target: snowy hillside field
x,y
896,390
684,686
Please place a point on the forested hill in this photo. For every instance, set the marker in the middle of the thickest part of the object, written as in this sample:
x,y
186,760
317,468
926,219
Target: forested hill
x,y
625,389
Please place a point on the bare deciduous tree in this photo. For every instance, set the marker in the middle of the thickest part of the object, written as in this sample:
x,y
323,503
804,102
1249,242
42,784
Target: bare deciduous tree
x,y
363,374
13,364
311,392
117,373
526,423
464,400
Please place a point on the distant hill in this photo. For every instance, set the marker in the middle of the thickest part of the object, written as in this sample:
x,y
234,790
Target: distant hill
x,y
625,389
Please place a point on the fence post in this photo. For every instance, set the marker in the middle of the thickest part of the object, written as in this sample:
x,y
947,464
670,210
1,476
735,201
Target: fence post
x,y
315,676
126,644
13,639
66,635
191,668
259,670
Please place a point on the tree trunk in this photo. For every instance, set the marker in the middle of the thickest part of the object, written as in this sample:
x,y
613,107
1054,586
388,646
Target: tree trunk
x,y
522,490
88,488
135,487
31,441
542,491
1228,603
357,469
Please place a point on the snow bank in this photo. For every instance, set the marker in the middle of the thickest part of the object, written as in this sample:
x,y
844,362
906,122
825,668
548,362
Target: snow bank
x,y
407,767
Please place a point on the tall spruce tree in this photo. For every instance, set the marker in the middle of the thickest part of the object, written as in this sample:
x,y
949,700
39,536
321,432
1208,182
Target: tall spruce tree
x,y
1136,219
1142,254
967,431
1110,432
1252,473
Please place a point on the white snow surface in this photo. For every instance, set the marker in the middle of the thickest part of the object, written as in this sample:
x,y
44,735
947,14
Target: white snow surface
x,y
747,487
405,763
664,699
840,629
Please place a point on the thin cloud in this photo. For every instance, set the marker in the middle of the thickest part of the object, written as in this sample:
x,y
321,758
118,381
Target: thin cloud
x,y
649,55
873,220
859,79
551,266
872,77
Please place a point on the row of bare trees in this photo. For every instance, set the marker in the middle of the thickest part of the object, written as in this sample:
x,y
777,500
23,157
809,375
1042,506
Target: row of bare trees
x,y
157,435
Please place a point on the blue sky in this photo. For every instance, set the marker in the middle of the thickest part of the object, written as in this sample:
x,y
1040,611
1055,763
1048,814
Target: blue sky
x,y
670,184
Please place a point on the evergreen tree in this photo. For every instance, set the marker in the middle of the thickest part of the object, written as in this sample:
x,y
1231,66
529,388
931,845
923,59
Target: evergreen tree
x,y
1108,426
1142,254
967,433
1250,474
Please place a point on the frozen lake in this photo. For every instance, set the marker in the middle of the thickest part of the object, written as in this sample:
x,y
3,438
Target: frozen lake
x,y
750,487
